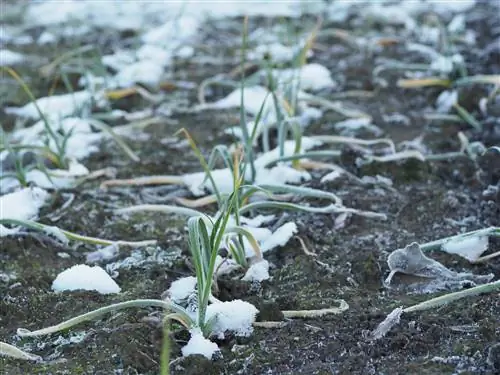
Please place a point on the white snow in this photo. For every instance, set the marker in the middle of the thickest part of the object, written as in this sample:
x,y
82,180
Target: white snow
x,y
277,52
446,100
146,72
119,60
182,288
57,234
225,266
223,178
253,97
441,6
351,126
289,149
55,107
332,176
470,248
279,174
87,278
257,272
388,14
280,237
457,24
60,178
9,58
154,53
21,205
198,344
185,52
47,38
236,316
310,77
258,220
81,143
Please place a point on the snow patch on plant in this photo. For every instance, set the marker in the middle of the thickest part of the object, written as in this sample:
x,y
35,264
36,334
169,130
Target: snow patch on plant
x,y
198,344
257,272
181,289
235,316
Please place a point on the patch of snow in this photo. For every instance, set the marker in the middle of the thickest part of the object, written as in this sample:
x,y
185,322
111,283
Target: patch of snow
x,y
277,52
280,174
446,64
457,24
377,180
59,178
154,54
260,234
470,248
224,266
55,107
198,344
310,77
397,118
172,33
21,205
47,38
351,126
429,34
185,52
332,176
87,278
235,316
289,149
308,115
146,72
9,58
258,220
254,97
338,11
446,100
257,272
197,184
280,237
57,234
458,6
182,288
389,15
119,60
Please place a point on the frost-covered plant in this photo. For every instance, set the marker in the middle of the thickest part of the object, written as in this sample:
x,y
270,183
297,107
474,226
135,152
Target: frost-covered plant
x,y
50,146
205,239
20,169
60,142
64,236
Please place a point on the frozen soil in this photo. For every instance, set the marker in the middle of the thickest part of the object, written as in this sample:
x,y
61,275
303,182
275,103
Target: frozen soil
x,y
427,201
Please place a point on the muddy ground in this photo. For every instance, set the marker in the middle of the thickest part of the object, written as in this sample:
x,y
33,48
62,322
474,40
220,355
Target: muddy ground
x,y
428,200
